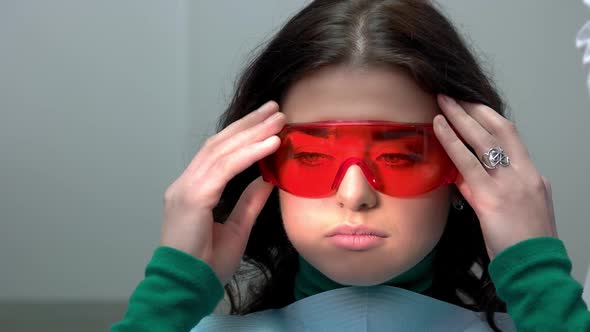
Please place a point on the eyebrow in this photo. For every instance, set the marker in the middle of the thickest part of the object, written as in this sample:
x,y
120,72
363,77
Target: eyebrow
x,y
317,132
392,135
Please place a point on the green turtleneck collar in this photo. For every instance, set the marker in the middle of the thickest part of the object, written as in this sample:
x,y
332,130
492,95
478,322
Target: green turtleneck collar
x,y
309,281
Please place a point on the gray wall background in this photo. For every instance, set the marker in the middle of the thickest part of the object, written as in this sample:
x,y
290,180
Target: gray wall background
x,y
103,104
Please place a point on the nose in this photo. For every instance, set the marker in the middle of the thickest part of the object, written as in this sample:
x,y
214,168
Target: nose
x,y
354,192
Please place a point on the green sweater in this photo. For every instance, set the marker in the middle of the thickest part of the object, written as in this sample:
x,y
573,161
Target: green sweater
x,y
532,277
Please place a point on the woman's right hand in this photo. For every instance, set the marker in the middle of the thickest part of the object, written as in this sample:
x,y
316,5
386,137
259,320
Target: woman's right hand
x,y
189,201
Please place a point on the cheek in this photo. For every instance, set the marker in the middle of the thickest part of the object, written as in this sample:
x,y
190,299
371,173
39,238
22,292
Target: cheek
x,y
292,209
429,215
301,217
296,212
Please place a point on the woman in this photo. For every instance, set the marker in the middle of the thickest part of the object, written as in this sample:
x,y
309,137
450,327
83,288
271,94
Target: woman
x,y
361,63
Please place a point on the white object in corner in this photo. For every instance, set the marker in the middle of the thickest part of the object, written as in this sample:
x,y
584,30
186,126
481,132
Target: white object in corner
x,y
583,42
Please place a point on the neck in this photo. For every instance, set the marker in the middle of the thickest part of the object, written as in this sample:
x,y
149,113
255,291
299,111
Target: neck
x,y
309,281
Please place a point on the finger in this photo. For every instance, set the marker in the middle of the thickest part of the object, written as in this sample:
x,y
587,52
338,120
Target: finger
x,y
218,174
231,237
212,153
251,119
550,204
498,126
270,126
463,188
467,164
248,207
474,134
485,115
248,121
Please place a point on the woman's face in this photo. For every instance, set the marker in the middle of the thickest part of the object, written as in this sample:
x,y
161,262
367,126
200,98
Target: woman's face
x,y
413,226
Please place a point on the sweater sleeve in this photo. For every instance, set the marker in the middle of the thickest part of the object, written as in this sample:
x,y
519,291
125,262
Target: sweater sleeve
x,y
533,278
177,292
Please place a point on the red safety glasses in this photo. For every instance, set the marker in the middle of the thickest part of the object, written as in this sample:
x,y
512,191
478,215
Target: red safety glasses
x,y
397,159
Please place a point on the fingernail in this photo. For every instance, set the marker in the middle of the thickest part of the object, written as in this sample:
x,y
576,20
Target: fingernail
x,y
442,122
265,107
448,99
274,117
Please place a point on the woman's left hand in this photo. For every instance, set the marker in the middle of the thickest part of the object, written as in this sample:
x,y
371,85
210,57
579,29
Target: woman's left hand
x,y
513,202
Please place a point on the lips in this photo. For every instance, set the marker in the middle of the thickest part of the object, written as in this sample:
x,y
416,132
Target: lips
x,y
356,238
356,230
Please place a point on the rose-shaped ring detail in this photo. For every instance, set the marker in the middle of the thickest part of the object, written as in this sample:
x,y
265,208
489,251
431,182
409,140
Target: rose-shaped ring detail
x,y
494,157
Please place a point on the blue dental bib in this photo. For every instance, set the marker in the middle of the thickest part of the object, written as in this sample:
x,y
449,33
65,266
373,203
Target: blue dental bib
x,y
360,309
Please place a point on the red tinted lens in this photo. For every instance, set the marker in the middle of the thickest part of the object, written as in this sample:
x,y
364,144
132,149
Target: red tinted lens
x,y
413,165
398,160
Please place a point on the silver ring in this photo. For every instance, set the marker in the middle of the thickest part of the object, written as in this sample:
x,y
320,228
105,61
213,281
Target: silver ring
x,y
494,157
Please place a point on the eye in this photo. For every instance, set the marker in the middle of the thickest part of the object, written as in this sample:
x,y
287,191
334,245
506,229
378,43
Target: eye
x,y
312,158
399,159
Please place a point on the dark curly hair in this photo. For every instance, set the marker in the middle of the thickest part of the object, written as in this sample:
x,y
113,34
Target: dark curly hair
x,y
409,34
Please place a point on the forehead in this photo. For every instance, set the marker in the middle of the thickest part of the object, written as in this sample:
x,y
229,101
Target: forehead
x,y
354,93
